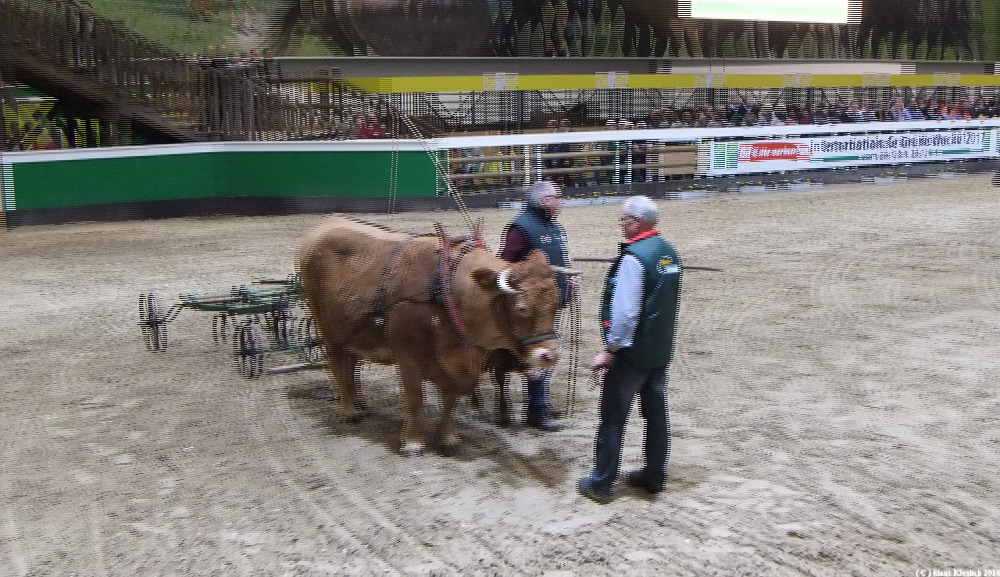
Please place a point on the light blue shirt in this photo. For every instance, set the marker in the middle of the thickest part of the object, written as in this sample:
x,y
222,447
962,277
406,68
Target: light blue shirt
x,y
626,303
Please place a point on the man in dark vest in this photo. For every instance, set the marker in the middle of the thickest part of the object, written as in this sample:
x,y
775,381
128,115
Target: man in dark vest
x,y
638,322
536,228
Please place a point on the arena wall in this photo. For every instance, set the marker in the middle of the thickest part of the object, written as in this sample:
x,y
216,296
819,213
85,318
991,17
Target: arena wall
x,y
389,175
190,179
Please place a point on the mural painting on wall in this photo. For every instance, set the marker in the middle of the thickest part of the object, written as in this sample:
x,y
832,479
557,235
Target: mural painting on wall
x,y
895,29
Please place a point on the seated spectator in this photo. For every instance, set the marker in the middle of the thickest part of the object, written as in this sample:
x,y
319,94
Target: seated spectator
x,y
979,109
781,114
706,118
669,119
359,126
898,112
766,117
736,111
964,109
924,107
806,115
367,127
913,107
715,116
838,113
795,115
854,113
934,111
871,111
685,118
555,148
955,113
606,176
821,115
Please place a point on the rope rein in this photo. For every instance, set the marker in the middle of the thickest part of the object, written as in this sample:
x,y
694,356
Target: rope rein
x,y
574,330
379,306
476,230
441,173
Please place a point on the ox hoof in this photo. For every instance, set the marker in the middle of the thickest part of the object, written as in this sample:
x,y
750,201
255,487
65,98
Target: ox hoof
x,y
449,446
353,415
412,449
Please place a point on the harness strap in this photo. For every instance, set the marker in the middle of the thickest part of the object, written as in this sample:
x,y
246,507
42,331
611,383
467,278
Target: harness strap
x,y
519,343
378,308
538,338
446,268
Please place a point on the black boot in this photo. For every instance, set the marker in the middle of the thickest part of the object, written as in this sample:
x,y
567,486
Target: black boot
x,y
542,422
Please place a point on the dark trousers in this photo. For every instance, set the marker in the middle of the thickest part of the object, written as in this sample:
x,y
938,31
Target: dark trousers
x,y
621,384
536,391
537,395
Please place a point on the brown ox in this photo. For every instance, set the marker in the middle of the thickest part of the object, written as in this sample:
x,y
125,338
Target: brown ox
x,y
379,295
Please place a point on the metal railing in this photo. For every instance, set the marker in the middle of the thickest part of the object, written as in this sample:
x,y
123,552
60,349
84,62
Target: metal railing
x,y
64,47
481,169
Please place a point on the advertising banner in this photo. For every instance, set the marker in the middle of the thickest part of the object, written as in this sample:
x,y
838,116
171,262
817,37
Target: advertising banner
x,y
814,152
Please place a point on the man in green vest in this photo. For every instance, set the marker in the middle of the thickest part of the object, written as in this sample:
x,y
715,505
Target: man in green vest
x,y
536,228
638,322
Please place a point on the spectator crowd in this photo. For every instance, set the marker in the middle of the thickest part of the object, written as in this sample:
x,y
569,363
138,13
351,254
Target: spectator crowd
x,y
573,164
743,111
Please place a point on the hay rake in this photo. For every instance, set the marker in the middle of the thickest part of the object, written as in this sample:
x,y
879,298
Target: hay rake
x,y
256,318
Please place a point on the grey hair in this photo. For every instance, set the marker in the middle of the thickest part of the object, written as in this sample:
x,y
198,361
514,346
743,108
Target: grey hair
x,y
642,208
540,189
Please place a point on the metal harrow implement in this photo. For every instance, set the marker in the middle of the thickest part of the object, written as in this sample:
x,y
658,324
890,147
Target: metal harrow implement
x,y
264,316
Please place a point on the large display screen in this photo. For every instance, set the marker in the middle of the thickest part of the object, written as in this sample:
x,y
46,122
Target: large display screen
x,y
830,11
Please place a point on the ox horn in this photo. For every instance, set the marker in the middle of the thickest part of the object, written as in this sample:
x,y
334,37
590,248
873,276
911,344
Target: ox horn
x,y
563,270
503,281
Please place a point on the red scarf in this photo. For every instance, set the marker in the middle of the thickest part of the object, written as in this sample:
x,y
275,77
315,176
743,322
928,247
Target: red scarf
x,y
643,235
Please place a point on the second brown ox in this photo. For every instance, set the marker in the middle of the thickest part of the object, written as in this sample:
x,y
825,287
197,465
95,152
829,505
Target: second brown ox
x,y
432,305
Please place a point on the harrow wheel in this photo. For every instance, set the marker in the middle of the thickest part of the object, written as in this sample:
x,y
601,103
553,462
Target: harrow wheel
x,y
248,351
280,323
311,347
220,328
153,322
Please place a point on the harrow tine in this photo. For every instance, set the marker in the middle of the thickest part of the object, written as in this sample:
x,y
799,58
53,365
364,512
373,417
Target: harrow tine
x,y
248,351
311,347
220,328
153,322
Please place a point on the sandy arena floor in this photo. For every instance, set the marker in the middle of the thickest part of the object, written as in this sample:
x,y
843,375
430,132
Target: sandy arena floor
x,y
834,409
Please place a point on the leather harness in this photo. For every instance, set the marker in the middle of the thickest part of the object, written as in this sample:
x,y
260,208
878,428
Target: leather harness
x,y
441,291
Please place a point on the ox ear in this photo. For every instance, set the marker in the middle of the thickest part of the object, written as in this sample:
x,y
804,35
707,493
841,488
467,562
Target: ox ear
x,y
486,278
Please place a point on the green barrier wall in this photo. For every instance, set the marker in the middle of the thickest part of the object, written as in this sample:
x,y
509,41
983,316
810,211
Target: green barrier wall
x,y
60,179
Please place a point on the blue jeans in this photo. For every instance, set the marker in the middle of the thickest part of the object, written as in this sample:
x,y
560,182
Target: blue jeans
x,y
537,390
621,384
537,394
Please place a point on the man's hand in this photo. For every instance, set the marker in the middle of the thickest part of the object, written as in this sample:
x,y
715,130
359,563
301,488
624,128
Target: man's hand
x,y
534,374
602,359
574,282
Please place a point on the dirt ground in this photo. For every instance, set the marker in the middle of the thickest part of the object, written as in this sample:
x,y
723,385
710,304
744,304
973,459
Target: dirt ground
x,y
834,409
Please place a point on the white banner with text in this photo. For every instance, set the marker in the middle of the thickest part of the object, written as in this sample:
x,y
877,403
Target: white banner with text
x,y
814,152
